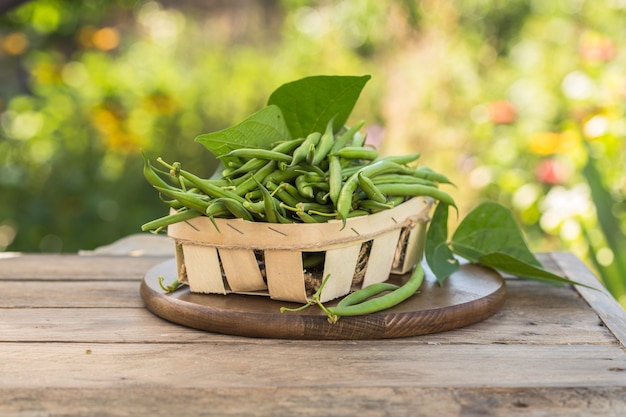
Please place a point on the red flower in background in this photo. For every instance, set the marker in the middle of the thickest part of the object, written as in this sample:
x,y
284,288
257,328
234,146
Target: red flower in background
x,y
551,172
501,112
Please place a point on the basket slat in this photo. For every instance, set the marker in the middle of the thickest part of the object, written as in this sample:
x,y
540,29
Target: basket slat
x,y
285,279
381,257
242,270
204,274
340,264
413,251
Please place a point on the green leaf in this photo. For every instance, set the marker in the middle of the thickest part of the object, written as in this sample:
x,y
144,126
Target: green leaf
x,y
310,103
491,228
437,253
509,264
259,130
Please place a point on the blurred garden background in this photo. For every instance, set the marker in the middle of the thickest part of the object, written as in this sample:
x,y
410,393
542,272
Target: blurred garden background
x,y
521,102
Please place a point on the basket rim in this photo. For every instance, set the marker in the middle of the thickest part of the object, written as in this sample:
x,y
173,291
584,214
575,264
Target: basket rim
x,y
240,233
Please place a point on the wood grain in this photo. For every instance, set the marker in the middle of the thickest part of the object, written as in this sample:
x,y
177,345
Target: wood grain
x,y
371,363
77,340
68,267
124,399
469,296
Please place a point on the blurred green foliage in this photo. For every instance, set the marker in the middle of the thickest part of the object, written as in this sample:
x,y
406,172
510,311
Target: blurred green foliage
x,y
512,99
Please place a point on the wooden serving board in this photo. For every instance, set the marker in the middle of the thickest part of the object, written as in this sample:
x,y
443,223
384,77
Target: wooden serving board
x,y
468,296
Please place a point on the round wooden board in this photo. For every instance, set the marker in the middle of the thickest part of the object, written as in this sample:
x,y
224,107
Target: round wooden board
x,y
468,296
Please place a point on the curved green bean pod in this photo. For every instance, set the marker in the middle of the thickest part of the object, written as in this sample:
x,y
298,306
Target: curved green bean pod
x,y
301,152
417,190
257,178
402,179
164,221
401,159
429,174
372,192
250,153
236,208
151,175
366,292
354,152
343,140
384,302
335,180
189,200
344,202
325,144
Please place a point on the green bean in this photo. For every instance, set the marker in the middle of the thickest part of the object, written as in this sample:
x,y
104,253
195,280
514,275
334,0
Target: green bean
x,y
269,205
321,196
308,218
374,206
373,193
164,221
358,212
366,292
175,204
207,186
287,146
250,153
402,179
301,152
325,144
335,180
255,207
344,202
257,178
343,140
401,159
151,175
417,190
384,302
304,187
353,152
286,175
250,165
282,194
429,174
189,200
236,208
358,139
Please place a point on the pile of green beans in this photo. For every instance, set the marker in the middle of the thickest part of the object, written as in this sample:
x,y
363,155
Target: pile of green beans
x,y
323,176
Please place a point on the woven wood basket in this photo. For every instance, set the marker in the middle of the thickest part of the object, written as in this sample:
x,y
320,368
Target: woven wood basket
x,y
267,258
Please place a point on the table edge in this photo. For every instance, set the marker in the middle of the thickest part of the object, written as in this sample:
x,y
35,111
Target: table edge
x,y
601,301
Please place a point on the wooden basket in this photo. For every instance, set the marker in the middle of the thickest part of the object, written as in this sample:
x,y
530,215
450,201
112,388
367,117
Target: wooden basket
x,y
267,258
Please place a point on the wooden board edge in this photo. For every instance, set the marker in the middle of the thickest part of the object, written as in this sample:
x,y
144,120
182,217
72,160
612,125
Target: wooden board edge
x,y
601,301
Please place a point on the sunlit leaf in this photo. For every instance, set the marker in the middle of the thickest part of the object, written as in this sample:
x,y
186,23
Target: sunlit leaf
x,y
491,228
260,130
310,103
506,263
437,253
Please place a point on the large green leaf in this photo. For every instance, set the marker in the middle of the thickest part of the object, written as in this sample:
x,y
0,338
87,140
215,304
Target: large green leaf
x,y
506,263
491,228
437,253
259,130
310,103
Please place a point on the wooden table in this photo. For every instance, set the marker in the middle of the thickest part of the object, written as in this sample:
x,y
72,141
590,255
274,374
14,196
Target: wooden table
x,y
75,339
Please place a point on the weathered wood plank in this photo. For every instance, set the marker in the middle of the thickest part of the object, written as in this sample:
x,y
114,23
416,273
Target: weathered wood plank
x,y
611,313
73,267
125,400
106,312
309,364
71,294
